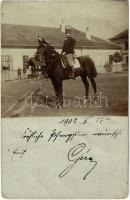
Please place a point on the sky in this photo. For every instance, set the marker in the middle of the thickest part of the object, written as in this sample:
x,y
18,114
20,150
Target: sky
x,y
105,18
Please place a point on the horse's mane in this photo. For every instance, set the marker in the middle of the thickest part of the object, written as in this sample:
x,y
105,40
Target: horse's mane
x,y
50,48
50,53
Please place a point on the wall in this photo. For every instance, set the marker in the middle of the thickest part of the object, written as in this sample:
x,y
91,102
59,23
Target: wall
x,y
18,55
100,57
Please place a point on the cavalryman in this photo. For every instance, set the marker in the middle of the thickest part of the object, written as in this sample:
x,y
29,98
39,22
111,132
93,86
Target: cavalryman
x,y
68,50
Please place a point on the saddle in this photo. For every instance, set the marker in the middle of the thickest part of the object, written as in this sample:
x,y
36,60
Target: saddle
x,y
65,62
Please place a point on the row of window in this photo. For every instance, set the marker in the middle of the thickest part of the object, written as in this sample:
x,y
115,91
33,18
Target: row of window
x,y
7,61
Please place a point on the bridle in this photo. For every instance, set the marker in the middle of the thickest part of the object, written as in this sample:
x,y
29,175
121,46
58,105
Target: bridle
x,y
53,54
58,56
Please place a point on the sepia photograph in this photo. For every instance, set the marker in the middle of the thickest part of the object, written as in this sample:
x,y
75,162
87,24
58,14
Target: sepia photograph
x,y
64,99
56,63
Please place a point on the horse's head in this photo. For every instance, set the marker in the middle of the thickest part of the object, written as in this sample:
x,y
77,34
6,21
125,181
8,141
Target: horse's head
x,y
42,45
45,50
40,52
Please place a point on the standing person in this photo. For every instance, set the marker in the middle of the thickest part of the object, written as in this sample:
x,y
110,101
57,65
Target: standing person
x,y
19,73
68,50
24,71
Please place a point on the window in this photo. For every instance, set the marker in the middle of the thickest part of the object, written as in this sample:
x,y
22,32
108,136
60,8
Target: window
x,y
25,59
7,61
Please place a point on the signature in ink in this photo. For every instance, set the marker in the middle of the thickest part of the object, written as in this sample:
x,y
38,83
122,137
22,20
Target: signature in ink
x,y
77,154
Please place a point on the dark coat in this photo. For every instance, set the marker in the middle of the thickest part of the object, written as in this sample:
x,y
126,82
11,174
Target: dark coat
x,y
69,45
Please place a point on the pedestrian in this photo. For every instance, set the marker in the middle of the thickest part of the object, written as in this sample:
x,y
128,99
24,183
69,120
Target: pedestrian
x,y
24,71
19,73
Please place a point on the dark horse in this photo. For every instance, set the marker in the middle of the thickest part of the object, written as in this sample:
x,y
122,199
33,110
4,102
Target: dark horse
x,y
37,65
57,73
34,67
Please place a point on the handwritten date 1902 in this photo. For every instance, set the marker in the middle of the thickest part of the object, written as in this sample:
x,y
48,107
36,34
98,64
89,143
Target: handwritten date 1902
x,y
84,121
76,154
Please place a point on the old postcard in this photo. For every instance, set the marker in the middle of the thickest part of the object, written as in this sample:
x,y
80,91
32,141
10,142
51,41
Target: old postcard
x,y
64,99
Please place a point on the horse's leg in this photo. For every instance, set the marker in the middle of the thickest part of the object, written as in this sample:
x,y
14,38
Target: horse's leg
x,y
55,85
42,69
60,92
37,69
86,85
93,82
32,71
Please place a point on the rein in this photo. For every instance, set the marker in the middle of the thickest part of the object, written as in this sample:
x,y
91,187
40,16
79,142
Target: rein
x,y
51,60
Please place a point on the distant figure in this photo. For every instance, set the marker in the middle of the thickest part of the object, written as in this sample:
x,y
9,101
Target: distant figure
x,y
68,50
24,71
19,73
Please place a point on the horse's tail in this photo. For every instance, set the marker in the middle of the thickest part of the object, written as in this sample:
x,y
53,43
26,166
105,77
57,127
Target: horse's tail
x,y
88,64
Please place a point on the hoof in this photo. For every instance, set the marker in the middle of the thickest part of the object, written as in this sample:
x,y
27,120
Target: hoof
x,y
87,99
59,106
95,98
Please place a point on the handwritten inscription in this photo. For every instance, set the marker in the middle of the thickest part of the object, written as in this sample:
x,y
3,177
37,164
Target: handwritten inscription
x,y
87,120
67,136
113,134
77,154
17,153
55,134
32,135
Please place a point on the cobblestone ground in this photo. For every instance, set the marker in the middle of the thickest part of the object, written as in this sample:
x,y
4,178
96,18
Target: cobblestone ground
x,y
23,97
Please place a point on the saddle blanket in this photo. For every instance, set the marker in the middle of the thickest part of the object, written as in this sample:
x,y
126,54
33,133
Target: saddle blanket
x,y
65,62
76,63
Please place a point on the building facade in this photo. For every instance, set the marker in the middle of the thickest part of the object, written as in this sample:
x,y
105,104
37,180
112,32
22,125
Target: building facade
x,y
19,45
122,40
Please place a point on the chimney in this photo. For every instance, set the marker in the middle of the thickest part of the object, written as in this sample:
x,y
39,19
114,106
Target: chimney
x,y
88,34
62,27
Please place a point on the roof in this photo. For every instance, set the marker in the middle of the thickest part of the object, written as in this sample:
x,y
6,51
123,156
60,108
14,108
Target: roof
x,y
122,35
24,36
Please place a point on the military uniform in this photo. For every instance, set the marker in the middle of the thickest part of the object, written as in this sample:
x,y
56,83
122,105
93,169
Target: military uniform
x,y
68,49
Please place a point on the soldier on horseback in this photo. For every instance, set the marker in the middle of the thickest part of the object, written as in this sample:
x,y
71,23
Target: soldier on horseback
x,y
68,50
57,73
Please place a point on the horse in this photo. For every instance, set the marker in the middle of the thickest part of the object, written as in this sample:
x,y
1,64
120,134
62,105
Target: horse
x,y
57,73
36,66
